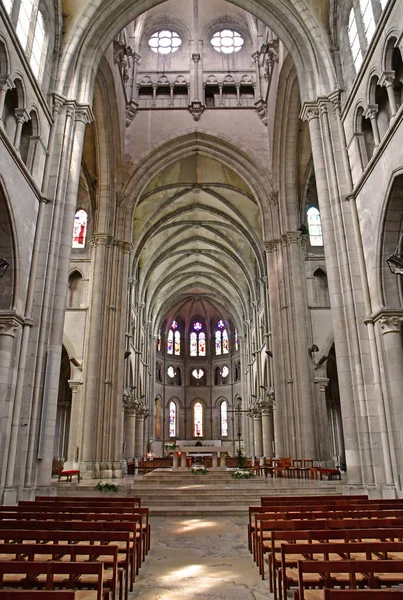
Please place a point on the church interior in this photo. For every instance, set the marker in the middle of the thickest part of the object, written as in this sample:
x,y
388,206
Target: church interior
x,y
201,224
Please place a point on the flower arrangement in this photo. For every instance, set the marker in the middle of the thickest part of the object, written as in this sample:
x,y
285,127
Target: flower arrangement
x,y
107,486
199,470
242,474
171,447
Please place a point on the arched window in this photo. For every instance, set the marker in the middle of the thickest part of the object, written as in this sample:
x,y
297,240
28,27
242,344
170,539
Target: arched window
x,y
75,288
354,40
236,340
197,340
172,419
314,227
80,229
221,338
367,18
24,21
198,420
174,340
224,419
322,288
38,45
159,340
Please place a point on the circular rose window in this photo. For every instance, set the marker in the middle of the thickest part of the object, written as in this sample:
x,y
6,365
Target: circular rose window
x,y
164,42
227,41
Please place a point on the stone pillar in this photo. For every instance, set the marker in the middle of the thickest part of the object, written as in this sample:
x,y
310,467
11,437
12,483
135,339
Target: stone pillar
x,y
387,78
391,327
258,88
350,404
196,91
220,86
6,83
139,440
257,432
171,94
75,430
238,94
21,116
154,95
134,96
322,420
371,113
268,427
129,427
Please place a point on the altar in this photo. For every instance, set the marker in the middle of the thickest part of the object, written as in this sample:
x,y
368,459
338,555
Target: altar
x,y
184,451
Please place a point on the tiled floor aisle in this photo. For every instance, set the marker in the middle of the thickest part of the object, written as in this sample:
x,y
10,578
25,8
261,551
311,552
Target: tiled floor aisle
x,y
199,558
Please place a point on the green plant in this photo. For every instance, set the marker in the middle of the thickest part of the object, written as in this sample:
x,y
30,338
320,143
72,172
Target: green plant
x,y
242,474
199,470
240,458
171,447
106,486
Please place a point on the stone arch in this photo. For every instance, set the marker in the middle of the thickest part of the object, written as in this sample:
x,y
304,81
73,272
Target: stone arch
x,y
391,239
193,406
100,21
4,58
63,411
364,136
8,286
322,287
388,50
74,294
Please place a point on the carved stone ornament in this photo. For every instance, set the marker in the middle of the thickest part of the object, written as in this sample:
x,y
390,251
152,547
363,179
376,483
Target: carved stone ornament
x,y
261,109
309,111
196,109
391,324
131,110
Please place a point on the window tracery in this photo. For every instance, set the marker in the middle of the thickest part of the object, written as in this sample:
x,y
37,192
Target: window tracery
x,y
224,418
367,15
172,419
24,21
198,419
80,229
197,340
227,41
314,227
38,45
221,339
164,42
174,339
354,40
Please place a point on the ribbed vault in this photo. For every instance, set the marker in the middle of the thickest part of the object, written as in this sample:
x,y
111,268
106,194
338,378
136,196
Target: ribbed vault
x,y
197,234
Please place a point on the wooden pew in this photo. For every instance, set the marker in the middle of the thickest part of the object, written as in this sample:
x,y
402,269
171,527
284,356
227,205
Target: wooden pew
x,y
84,526
37,595
84,499
107,555
291,554
348,574
51,575
280,538
119,539
394,594
263,540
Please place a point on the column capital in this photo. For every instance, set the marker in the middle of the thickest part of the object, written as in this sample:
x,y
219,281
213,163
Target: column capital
x,y
271,246
256,56
6,83
21,115
323,382
196,57
391,323
309,111
335,99
387,78
9,323
101,239
125,247
74,385
293,237
84,114
371,111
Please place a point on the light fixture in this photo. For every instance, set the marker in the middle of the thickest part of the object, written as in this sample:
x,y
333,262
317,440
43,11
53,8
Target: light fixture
x,y
313,348
395,260
4,264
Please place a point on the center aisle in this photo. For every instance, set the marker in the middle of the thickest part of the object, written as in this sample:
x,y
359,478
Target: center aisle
x,y
204,557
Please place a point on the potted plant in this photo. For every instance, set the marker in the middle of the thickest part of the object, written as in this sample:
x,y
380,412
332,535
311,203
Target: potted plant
x,y
107,486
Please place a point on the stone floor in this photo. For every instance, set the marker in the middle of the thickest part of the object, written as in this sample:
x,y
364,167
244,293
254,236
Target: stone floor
x,y
199,558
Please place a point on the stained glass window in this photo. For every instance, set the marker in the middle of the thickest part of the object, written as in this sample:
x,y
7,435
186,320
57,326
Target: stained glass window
x,y
198,420
177,343
80,229
8,5
354,40
159,340
202,344
368,18
227,41
197,373
24,21
164,42
171,372
314,227
218,342
220,324
170,342
172,419
174,325
236,341
197,326
225,371
224,418
38,45
193,344
224,342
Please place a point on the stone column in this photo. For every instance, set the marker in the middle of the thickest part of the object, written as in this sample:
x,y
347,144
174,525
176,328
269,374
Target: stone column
x,y
220,86
21,116
322,420
257,432
350,405
371,113
6,83
134,96
387,78
76,419
258,89
171,94
238,94
154,95
139,441
129,427
196,91
391,327
268,427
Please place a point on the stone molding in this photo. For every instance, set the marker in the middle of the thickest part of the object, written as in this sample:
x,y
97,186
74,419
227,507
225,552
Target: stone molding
x,y
83,113
21,115
9,323
323,382
6,83
391,323
271,245
293,237
309,111
371,111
